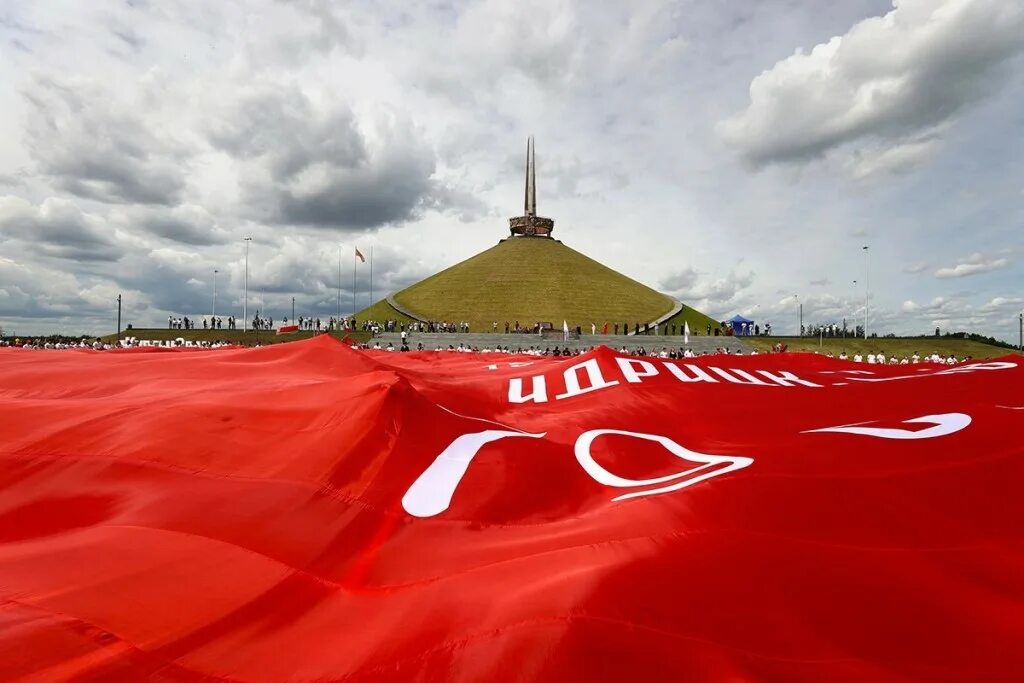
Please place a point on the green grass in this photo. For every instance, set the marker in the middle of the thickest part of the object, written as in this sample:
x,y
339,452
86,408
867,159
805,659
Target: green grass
x,y
898,346
250,337
380,312
529,280
698,321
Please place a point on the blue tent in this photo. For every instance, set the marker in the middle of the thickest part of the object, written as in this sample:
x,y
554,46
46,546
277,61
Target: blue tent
x,y
737,326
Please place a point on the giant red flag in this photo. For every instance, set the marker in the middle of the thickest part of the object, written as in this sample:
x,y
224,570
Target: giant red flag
x,y
310,512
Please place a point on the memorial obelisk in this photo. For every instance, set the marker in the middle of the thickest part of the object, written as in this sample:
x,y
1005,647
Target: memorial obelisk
x,y
530,224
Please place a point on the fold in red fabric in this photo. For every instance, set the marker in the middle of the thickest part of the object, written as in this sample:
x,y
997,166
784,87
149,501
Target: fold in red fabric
x,y
310,512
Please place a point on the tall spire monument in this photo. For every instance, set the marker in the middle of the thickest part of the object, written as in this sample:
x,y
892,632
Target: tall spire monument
x,y
530,224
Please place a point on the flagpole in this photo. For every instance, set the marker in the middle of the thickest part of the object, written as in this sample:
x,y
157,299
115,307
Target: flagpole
x,y
371,274
340,247
354,282
867,290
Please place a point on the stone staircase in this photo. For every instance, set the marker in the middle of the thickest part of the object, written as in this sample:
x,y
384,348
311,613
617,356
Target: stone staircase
x,y
698,344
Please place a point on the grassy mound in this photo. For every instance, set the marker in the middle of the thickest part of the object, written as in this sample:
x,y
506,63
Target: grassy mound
x,y
382,311
898,346
698,321
529,280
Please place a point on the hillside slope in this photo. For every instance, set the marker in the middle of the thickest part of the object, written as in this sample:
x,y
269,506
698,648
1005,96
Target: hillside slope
x,y
532,280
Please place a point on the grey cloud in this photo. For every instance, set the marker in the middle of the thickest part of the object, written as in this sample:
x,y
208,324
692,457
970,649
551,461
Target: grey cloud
x,y
320,169
129,38
184,224
712,294
292,268
328,30
98,148
888,78
465,205
682,280
358,199
36,291
820,283
177,285
57,228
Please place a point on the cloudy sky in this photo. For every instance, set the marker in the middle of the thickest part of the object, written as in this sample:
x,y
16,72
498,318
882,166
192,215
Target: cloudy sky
x,y
736,155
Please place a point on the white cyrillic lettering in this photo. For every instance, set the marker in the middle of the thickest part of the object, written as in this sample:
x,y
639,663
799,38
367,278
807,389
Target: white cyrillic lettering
x,y
730,376
603,476
539,394
786,378
432,492
698,373
633,376
595,379
945,424
995,365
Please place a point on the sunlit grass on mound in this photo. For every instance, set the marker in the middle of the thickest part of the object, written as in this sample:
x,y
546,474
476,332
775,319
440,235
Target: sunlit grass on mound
x,y
698,322
380,312
530,280
890,346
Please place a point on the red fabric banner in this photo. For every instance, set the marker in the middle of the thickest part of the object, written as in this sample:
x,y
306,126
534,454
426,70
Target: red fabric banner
x,y
310,512
285,329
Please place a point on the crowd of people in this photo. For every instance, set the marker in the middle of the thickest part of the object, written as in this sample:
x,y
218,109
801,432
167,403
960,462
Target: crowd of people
x,y
879,358
664,352
209,323
515,327
427,326
56,343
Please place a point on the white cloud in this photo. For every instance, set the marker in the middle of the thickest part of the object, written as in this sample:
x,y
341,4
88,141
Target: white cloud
x,y
1003,302
916,268
884,86
899,158
973,265
715,295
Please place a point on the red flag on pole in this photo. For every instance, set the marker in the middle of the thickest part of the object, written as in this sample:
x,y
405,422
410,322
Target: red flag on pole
x,y
360,255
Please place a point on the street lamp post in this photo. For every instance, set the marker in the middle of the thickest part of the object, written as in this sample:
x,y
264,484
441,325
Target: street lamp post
x,y
340,247
867,290
1020,332
245,298
800,319
213,314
